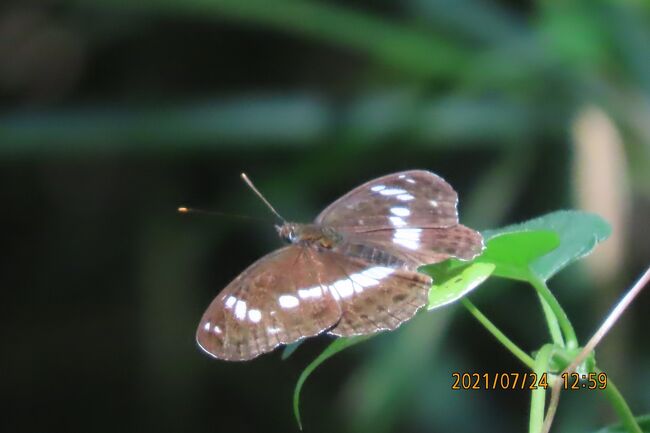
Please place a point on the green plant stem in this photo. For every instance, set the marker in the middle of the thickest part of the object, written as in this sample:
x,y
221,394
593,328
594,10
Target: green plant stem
x,y
559,315
496,332
538,395
620,406
553,325
335,347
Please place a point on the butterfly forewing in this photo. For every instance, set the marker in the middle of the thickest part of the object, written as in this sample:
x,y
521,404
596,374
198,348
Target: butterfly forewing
x,y
279,299
414,198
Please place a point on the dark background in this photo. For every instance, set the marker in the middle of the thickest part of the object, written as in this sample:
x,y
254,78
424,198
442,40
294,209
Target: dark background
x,y
114,113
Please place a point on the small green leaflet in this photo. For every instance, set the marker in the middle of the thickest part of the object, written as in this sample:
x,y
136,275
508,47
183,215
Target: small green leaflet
x,y
455,280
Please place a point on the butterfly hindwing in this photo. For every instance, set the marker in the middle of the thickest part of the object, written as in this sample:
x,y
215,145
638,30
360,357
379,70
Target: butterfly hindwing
x,y
374,297
416,246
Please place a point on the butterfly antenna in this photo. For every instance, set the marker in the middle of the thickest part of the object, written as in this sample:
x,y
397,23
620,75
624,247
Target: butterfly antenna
x,y
189,210
259,194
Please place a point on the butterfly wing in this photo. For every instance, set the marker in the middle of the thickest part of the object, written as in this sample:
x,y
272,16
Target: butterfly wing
x,y
415,198
411,215
416,246
392,225
373,297
279,299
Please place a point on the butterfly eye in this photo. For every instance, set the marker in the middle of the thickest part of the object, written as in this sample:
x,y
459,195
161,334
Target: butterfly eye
x,y
287,233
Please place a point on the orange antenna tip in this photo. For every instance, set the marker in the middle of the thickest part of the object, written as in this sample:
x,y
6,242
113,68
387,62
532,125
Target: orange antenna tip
x,y
183,209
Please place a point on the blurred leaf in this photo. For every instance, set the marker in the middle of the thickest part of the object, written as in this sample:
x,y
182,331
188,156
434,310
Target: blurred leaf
x,y
481,21
406,48
456,279
579,234
291,120
478,119
337,345
513,253
290,348
643,420
575,32
628,23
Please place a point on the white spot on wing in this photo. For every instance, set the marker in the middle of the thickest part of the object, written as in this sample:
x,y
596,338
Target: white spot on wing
x,y
402,176
288,301
409,180
358,281
216,329
400,211
408,233
254,316
377,188
397,221
312,292
378,272
433,203
344,287
409,238
230,301
207,326
240,310
412,245
405,197
362,280
392,191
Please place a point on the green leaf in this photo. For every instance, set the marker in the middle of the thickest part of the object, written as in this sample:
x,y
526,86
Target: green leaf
x,y
290,348
513,253
337,345
579,234
456,279
643,421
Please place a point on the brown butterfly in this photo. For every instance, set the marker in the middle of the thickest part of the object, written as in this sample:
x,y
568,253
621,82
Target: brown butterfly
x,y
353,271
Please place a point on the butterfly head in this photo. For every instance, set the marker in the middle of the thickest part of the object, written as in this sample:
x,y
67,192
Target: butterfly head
x,y
289,232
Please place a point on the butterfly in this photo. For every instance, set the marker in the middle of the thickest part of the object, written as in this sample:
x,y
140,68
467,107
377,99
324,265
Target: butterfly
x,y
353,271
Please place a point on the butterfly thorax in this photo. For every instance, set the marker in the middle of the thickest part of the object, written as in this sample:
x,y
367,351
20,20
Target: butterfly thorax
x,y
295,233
